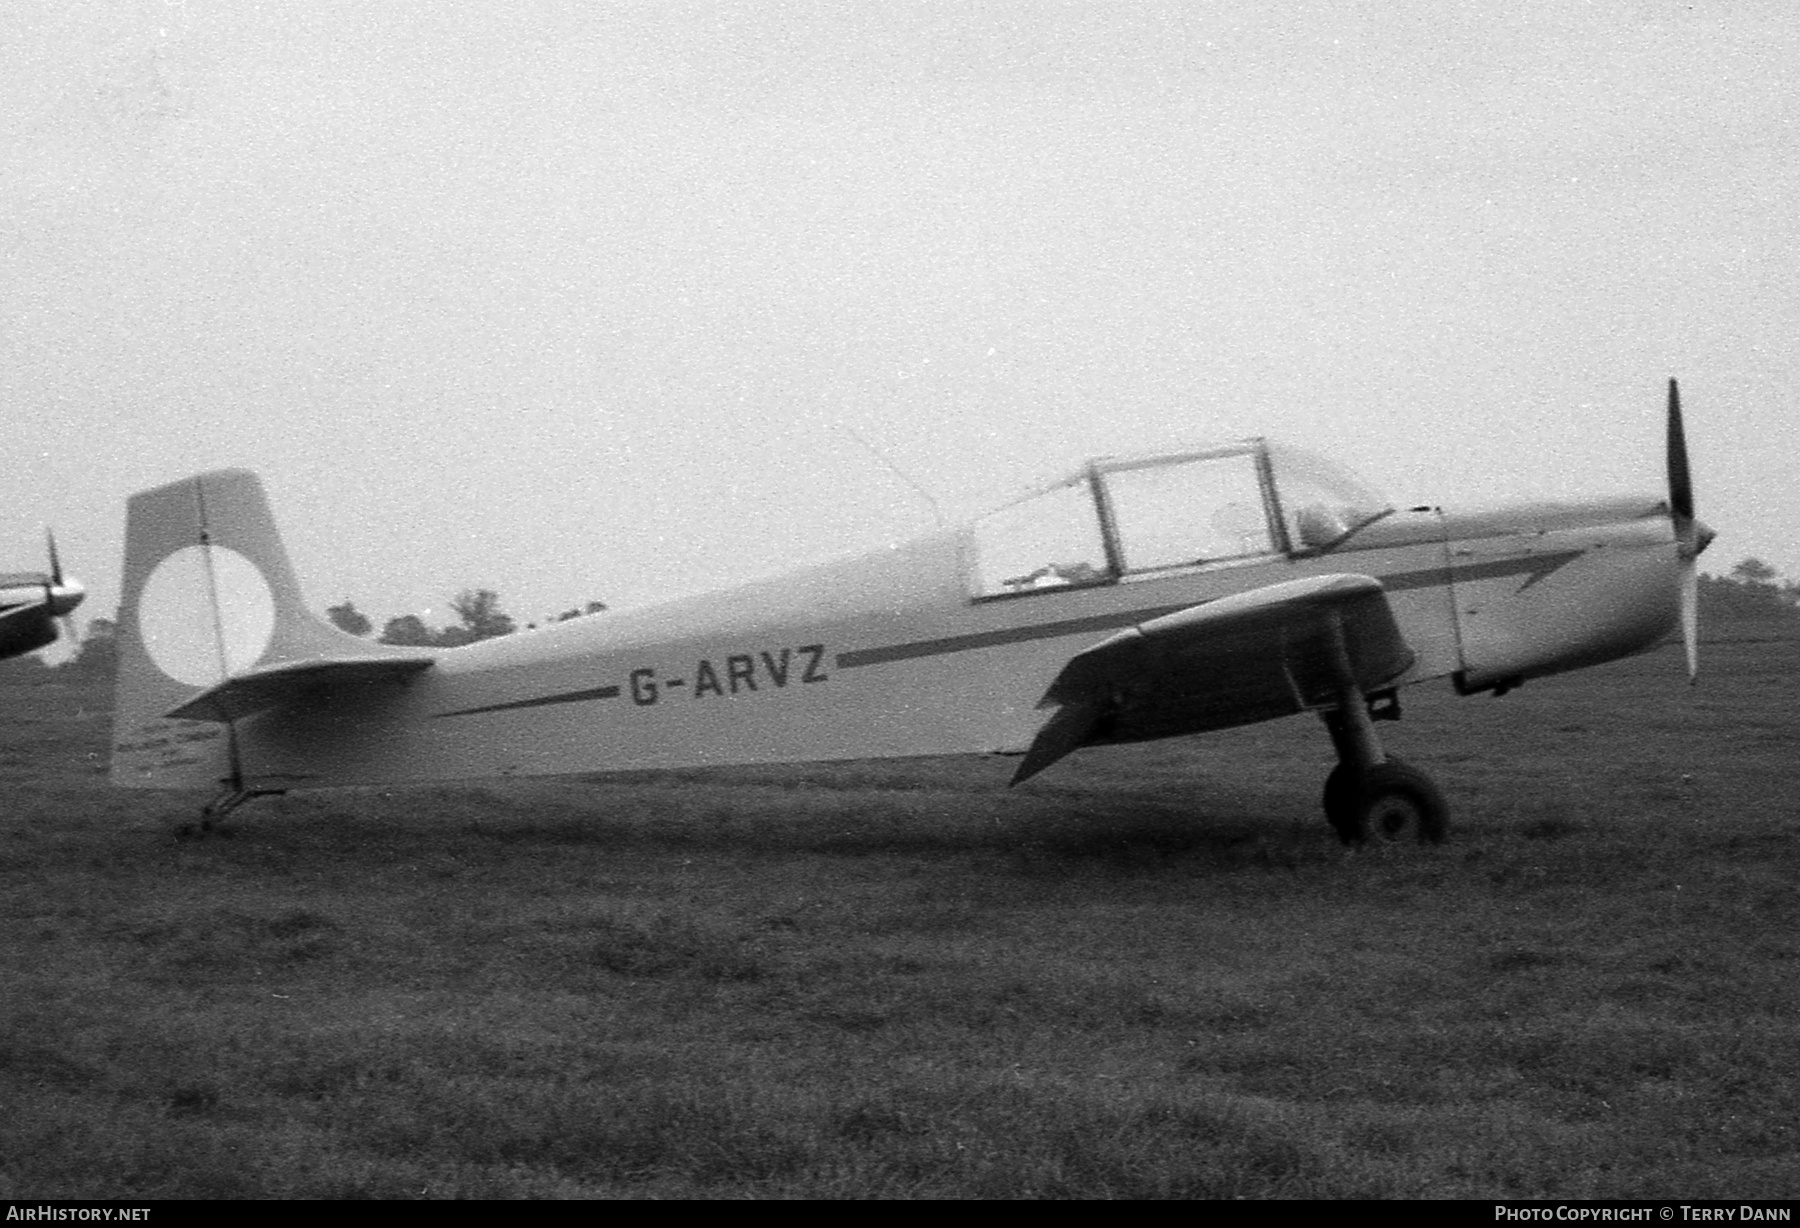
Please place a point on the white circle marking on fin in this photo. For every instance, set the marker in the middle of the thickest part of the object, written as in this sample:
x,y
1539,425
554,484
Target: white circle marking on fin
x,y
175,615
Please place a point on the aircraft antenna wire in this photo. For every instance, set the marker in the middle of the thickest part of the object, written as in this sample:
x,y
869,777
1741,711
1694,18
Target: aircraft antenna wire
x,y
937,513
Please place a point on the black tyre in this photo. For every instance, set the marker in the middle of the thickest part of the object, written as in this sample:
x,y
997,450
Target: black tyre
x,y
1399,802
1340,803
1390,801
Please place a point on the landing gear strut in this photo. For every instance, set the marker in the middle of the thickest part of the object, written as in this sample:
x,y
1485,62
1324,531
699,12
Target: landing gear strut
x,y
1371,795
212,815
233,792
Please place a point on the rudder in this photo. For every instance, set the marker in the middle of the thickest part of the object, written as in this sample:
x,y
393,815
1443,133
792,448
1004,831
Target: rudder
x,y
208,593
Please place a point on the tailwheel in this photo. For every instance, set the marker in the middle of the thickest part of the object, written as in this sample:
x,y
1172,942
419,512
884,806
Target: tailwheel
x,y
1385,802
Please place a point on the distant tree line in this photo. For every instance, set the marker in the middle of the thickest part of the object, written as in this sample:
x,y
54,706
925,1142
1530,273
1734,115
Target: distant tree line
x,y
1752,589
478,613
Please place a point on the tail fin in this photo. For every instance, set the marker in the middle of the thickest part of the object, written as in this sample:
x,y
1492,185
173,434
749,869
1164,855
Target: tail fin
x,y
210,596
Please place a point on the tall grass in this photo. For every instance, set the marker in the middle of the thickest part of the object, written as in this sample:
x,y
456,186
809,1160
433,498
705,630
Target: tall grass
x,y
1151,973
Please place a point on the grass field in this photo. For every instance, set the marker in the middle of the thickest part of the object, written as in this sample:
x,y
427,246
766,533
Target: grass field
x,y
1152,972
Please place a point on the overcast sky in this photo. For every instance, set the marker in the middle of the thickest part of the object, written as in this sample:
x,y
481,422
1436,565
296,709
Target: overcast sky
x,y
581,301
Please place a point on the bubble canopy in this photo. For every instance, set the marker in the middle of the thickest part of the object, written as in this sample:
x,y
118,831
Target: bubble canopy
x,y
1122,519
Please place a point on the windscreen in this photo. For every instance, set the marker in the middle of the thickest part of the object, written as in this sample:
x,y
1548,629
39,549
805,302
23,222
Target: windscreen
x,y
1321,502
1051,540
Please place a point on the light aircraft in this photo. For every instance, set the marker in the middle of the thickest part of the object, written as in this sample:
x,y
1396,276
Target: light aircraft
x,y
1133,599
30,604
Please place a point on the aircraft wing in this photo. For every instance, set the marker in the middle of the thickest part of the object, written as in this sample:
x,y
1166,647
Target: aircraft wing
x,y
1249,657
25,611
252,692
26,627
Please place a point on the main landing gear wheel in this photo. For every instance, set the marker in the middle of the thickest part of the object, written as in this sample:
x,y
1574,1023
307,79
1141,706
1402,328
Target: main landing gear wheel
x,y
1340,802
1385,802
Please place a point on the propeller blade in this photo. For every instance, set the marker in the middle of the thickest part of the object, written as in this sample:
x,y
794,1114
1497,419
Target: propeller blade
x,y
61,593
1690,618
55,563
1690,536
1681,481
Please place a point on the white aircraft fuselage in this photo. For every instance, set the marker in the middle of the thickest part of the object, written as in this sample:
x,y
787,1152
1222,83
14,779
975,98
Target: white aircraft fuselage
x,y
922,649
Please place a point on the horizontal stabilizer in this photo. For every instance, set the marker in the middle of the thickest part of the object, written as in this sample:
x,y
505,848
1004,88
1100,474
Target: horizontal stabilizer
x,y
274,685
1249,657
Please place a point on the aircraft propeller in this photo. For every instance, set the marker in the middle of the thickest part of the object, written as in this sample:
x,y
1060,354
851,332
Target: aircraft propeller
x,y
61,595
1691,536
